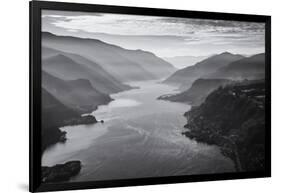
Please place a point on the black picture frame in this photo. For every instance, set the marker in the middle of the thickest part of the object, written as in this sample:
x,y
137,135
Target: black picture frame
x,y
35,94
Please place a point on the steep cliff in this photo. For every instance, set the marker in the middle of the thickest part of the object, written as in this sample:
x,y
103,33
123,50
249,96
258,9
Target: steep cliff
x,y
233,118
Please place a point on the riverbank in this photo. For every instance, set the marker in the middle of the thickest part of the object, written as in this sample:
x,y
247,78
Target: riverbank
x,y
63,172
53,135
140,137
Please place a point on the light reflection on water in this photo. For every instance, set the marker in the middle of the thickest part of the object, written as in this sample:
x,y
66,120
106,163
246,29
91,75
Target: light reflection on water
x,y
141,137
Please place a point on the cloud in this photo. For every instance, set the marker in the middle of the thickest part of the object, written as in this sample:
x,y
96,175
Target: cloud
x,y
68,13
146,25
161,35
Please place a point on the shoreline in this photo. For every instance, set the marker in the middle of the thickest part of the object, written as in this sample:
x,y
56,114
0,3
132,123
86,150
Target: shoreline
x,y
70,168
237,130
174,110
60,172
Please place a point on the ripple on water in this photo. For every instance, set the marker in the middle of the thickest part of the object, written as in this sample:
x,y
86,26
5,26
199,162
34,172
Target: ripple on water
x,y
140,137
123,103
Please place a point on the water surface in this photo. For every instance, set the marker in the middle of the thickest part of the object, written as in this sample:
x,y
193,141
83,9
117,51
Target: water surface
x,y
140,137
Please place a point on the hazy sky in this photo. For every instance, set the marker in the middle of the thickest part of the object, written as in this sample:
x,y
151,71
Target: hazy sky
x,y
164,36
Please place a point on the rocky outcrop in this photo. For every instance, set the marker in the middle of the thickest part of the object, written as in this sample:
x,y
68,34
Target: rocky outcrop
x,y
233,118
55,115
60,172
84,120
54,135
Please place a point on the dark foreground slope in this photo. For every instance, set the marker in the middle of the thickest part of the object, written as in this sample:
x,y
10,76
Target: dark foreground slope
x,y
55,115
234,119
198,91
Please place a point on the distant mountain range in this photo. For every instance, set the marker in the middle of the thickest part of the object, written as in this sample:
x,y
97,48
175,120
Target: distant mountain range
x,y
184,61
185,77
125,65
198,81
250,68
72,66
79,74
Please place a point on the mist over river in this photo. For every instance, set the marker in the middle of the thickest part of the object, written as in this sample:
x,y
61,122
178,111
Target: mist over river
x,y
140,137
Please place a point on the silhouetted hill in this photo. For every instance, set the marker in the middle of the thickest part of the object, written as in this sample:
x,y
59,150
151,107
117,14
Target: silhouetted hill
x,y
233,118
247,68
186,76
53,111
53,115
76,94
197,93
124,65
72,66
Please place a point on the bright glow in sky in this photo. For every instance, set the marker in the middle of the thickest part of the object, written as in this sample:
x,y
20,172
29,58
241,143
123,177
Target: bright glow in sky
x,y
164,36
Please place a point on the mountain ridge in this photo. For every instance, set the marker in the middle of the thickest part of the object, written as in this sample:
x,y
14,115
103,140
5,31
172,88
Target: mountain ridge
x,y
252,67
114,59
100,78
76,94
184,77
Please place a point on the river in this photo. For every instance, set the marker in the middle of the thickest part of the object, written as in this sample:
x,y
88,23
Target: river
x,y
140,137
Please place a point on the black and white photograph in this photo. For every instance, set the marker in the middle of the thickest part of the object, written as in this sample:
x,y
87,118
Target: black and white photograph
x,y
137,96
